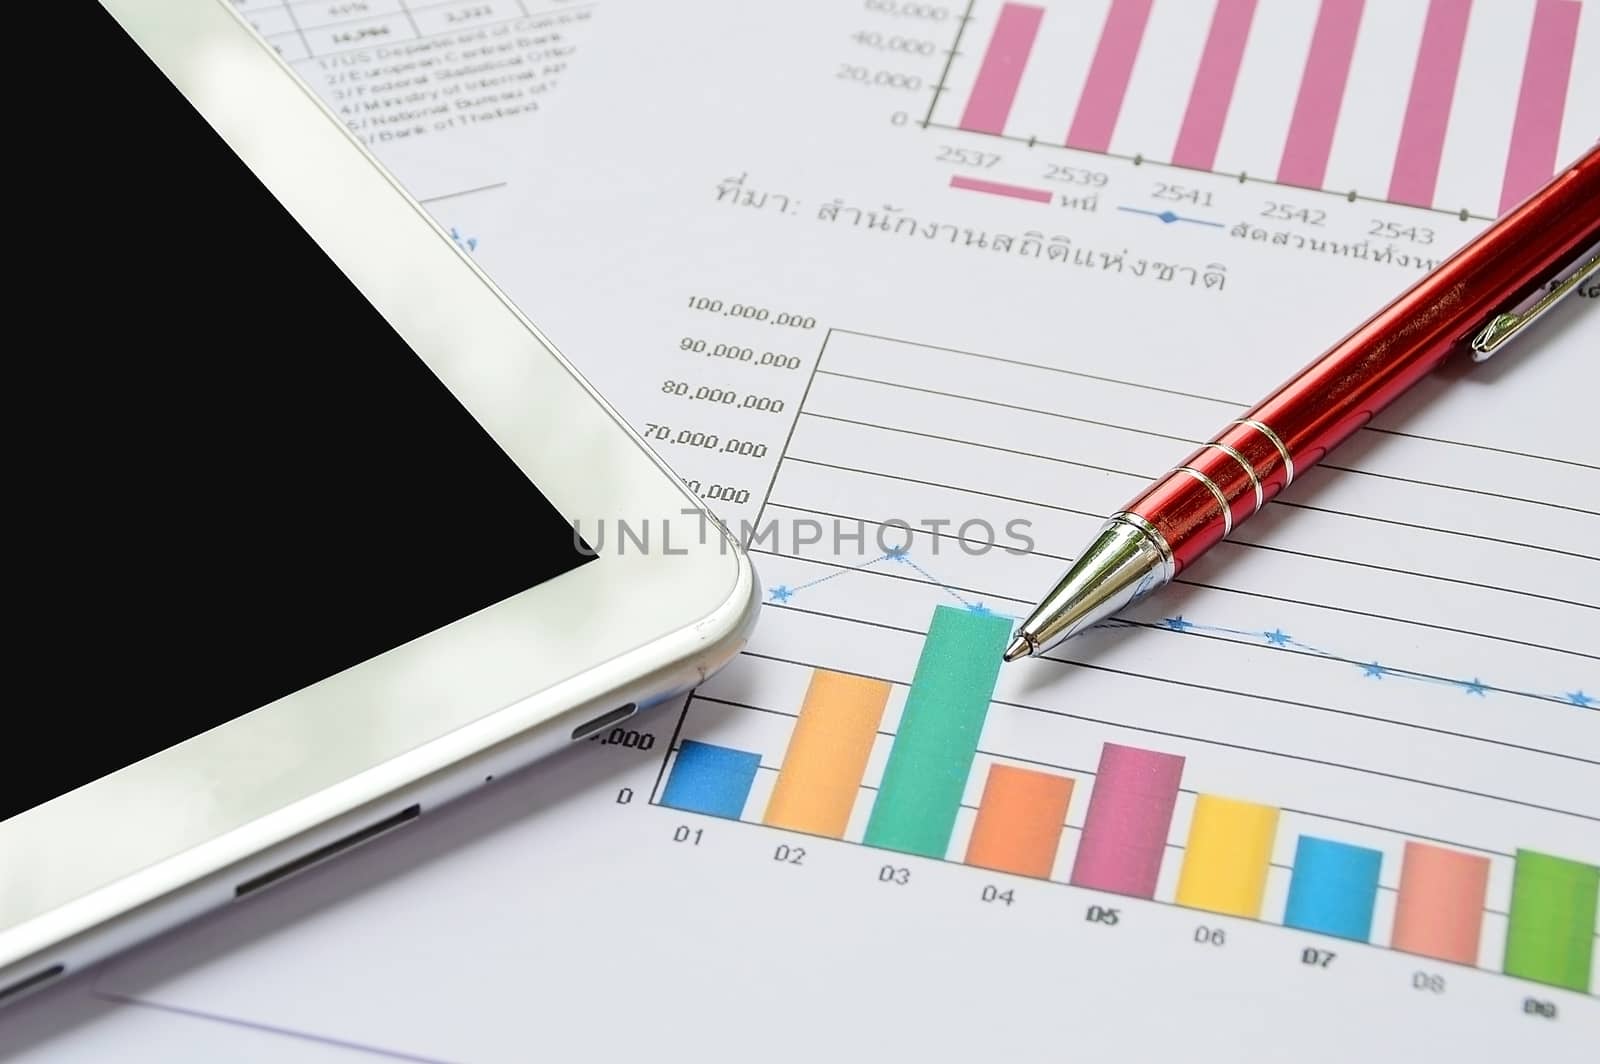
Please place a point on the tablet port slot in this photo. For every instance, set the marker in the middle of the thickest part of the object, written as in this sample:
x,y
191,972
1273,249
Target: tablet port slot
x,y
604,720
323,853
31,982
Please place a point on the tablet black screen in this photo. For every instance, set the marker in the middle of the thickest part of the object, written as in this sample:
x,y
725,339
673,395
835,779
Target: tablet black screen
x,y
237,479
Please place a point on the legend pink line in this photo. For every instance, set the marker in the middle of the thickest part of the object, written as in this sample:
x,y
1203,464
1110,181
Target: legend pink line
x,y
1433,87
1536,129
1316,109
999,188
995,89
1109,74
1213,84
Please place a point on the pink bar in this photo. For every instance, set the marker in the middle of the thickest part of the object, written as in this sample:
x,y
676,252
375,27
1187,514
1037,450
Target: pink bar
x,y
1109,73
1433,88
1213,84
1536,130
996,88
1316,109
1130,811
996,188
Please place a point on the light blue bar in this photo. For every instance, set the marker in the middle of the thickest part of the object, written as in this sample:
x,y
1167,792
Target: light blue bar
x,y
1333,888
709,779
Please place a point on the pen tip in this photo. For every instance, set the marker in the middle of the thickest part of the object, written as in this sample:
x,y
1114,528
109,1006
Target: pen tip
x,y
1020,647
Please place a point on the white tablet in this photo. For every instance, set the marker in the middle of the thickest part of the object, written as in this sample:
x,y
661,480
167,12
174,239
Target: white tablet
x,y
317,529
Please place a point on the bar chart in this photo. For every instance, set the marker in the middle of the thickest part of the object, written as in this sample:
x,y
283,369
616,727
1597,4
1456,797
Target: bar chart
x,y
1023,813
873,709
1335,95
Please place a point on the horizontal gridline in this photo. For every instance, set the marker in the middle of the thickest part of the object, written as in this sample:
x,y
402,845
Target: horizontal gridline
x,y
1090,774
1022,408
985,594
1253,640
1143,478
1191,583
300,28
1255,647
462,192
1231,404
1231,543
845,399
1470,792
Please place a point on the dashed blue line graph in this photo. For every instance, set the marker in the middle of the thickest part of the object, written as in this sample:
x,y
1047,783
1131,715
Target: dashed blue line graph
x,y
783,592
1372,669
1276,638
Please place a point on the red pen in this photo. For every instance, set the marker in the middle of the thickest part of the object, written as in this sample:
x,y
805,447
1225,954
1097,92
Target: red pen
x,y
1478,299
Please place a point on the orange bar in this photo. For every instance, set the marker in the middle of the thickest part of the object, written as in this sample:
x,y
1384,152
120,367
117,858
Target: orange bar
x,y
1440,909
1019,821
827,755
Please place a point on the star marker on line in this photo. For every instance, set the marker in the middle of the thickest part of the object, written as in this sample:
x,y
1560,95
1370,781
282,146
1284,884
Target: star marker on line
x,y
1474,686
1277,637
1581,700
1373,670
782,593
1177,624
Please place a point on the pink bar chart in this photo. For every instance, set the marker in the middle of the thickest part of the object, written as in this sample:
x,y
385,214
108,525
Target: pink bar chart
x,y
1545,76
1109,75
1214,83
1322,87
1096,77
989,105
1433,86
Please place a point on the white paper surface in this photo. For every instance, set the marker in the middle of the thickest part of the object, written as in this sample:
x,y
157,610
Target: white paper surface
x,y
1405,648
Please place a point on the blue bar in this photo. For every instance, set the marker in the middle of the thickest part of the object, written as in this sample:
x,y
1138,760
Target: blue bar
x,y
710,779
1333,888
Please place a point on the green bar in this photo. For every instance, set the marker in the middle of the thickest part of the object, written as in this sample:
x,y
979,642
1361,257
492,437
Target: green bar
x,y
1551,937
922,784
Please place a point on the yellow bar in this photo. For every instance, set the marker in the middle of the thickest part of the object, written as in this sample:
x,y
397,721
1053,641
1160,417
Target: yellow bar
x,y
1226,858
827,754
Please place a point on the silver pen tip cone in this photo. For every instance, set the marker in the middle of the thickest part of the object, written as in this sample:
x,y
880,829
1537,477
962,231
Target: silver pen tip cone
x,y
1124,563
1021,647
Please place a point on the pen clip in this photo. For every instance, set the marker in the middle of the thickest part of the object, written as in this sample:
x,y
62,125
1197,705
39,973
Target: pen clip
x,y
1502,327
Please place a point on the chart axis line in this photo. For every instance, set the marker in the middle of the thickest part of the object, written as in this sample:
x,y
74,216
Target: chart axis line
x,y
949,58
1463,214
